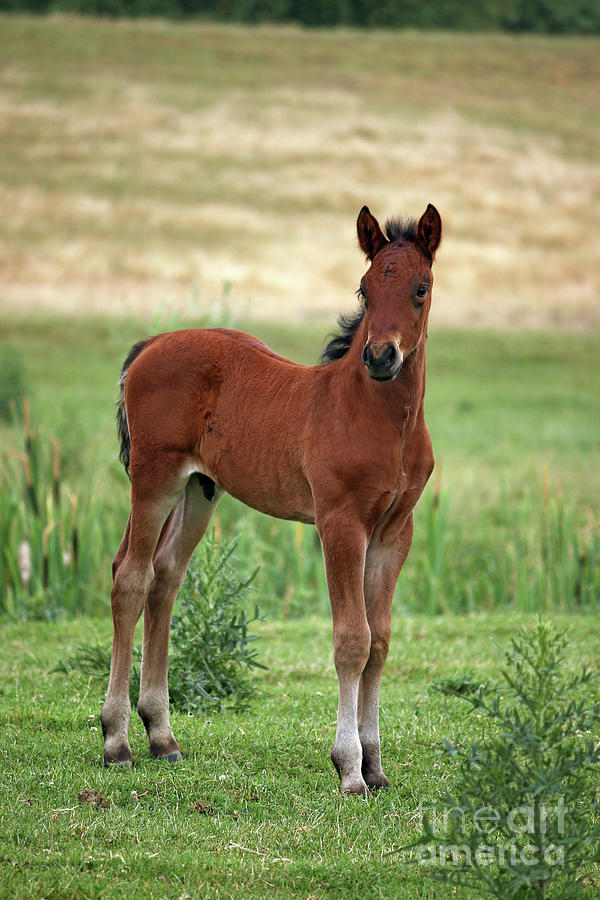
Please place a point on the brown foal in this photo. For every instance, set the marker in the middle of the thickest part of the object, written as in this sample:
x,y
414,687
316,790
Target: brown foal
x,y
342,444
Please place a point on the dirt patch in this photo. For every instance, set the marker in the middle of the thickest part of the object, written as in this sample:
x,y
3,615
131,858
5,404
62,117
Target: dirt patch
x,y
202,807
91,797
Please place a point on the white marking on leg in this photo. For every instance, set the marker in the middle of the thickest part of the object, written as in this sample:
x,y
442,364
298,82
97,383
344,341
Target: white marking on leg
x,y
369,722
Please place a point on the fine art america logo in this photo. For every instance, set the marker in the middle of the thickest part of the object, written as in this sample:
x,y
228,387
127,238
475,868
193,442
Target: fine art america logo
x,y
507,832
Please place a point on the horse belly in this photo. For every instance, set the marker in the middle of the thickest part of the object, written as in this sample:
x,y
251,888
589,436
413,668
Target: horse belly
x,y
261,476
268,495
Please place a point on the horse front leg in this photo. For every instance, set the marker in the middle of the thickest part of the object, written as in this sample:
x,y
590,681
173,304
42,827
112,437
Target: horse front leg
x,y
344,546
384,560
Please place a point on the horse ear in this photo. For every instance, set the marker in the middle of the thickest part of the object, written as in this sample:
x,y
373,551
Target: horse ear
x,y
429,232
370,236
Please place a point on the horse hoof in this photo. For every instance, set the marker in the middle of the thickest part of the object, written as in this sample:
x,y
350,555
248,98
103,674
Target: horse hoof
x,y
173,757
378,783
117,754
109,762
356,788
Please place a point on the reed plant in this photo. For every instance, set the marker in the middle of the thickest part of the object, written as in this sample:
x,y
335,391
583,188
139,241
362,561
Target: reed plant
x,y
291,575
534,554
13,381
56,543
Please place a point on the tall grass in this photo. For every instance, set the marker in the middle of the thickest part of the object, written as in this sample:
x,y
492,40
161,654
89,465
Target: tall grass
x,y
531,554
57,542
291,577
534,555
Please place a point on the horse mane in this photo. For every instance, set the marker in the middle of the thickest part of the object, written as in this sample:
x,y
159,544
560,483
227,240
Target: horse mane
x,y
348,325
402,230
398,230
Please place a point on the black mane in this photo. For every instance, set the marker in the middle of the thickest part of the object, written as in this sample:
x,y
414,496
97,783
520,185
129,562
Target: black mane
x,y
398,230
348,325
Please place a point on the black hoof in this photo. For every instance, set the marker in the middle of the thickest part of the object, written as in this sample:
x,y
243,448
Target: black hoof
x,y
126,763
376,782
173,757
356,788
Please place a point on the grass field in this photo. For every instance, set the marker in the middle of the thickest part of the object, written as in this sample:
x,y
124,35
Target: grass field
x,y
277,826
148,163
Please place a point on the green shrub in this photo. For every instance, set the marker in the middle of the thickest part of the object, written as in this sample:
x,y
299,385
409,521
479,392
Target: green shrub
x,y
520,819
545,16
210,659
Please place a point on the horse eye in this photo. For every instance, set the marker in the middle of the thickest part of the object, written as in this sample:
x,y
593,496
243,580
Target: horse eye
x,y
362,294
422,291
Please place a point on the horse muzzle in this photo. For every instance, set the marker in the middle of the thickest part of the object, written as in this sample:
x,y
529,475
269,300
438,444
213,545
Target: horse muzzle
x,y
383,360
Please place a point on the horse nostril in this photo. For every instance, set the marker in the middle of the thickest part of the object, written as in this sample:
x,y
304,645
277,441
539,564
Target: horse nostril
x,y
389,357
366,355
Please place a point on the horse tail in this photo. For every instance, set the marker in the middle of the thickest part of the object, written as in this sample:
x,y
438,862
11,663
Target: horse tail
x,y
122,423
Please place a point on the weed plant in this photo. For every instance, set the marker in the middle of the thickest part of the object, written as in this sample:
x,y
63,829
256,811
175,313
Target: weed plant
x,y
211,657
520,819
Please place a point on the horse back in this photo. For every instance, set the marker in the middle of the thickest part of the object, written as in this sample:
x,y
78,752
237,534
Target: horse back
x,y
224,404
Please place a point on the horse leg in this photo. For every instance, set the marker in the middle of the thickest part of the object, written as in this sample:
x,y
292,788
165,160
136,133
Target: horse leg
x,y
344,546
181,534
132,576
382,567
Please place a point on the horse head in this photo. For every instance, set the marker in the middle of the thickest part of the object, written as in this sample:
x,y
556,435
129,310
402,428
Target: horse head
x,y
396,289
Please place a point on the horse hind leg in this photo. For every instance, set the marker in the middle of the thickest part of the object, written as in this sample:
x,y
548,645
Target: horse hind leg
x,y
133,574
181,534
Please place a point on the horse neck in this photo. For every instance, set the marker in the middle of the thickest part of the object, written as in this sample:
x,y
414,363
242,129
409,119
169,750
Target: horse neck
x,y
403,398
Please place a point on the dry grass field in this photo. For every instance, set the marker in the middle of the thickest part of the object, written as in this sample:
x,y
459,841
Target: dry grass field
x,y
149,164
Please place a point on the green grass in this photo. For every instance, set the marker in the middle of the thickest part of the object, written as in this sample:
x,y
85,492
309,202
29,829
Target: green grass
x,y
278,826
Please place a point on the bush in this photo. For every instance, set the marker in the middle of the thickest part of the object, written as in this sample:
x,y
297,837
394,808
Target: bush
x,y
521,818
545,16
210,659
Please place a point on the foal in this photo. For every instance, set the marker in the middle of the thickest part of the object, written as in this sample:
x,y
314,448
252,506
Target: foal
x,y
343,445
